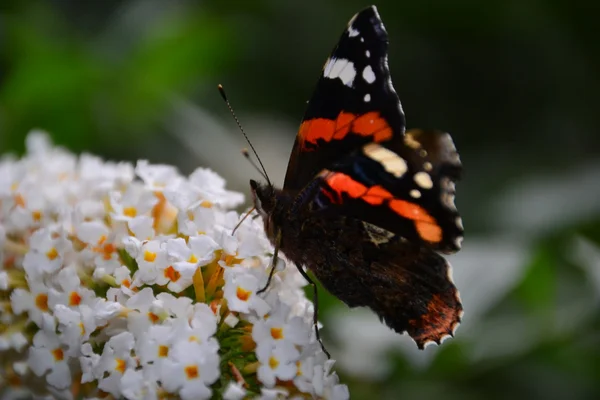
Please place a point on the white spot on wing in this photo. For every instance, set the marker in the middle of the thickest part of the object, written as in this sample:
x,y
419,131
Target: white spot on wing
x,y
340,68
368,74
368,53
411,142
352,32
427,166
423,180
415,193
367,98
391,162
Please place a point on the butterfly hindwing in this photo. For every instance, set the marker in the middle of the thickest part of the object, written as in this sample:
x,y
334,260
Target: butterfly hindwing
x,y
354,102
407,285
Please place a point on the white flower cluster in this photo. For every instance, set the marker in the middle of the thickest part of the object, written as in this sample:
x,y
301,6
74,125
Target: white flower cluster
x,y
128,282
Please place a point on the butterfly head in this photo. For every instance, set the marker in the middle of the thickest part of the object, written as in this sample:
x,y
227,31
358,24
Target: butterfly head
x,y
264,200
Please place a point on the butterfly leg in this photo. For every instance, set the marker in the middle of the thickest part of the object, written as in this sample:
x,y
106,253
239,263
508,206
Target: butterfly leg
x,y
273,264
316,303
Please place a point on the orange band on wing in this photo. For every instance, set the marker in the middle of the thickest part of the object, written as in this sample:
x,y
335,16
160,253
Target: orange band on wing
x,y
425,224
372,124
369,124
343,183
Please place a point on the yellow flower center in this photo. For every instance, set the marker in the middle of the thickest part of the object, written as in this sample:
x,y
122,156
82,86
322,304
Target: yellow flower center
x,y
36,215
273,362
130,212
149,256
163,351
52,253
120,366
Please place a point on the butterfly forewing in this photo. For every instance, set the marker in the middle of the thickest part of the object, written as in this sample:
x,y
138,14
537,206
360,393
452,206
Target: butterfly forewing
x,y
354,102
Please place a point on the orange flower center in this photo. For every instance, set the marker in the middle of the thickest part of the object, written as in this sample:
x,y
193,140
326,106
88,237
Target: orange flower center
x,y
130,211
191,371
172,274
243,294
41,301
74,299
277,333
52,253
153,317
58,354
149,256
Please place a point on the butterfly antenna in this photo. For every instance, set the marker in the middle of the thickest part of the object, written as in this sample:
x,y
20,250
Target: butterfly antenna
x,y
262,169
246,154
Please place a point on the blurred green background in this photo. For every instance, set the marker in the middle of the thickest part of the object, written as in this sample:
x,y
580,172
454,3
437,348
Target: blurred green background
x,y
515,82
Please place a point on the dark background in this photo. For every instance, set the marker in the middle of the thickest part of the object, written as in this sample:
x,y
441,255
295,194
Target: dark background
x,y
515,82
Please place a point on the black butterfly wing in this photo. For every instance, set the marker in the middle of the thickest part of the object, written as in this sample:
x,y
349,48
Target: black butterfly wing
x,y
354,102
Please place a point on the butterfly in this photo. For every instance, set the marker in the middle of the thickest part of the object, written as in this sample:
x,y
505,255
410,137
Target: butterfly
x,y
366,205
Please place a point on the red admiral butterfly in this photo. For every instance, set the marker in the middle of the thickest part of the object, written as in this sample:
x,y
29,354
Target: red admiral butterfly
x,y
365,205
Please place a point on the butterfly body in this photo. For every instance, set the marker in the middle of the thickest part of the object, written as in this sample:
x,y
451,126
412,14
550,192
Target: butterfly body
x,y
367,206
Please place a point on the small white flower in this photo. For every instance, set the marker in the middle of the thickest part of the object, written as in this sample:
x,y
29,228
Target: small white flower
x,y
45,355
148,311
152,260
210,186
190,371
240,292
135,385
46,254
276,362
188,257
142,227
34,302
134,202
156,177
200,331
155,346
72,293
278,328
114,361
